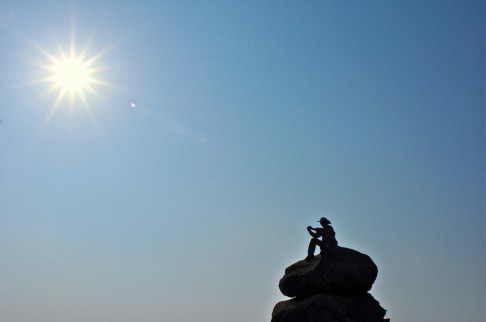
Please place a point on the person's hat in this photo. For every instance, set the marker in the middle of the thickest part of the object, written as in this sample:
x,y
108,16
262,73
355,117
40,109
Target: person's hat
x,y
324,219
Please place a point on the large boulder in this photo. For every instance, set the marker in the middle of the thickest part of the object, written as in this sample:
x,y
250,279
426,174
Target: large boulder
x,y
329,308
338,270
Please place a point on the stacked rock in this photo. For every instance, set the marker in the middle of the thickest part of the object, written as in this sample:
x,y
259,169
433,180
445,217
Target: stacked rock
x,y
330,287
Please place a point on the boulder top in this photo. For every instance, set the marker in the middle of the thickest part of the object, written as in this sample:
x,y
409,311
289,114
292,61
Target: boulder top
x,y
338,270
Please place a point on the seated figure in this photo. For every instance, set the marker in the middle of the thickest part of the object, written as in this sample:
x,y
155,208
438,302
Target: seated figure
x,y
326,233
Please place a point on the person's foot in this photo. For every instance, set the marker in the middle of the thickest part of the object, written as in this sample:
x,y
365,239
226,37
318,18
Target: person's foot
x,y
309,257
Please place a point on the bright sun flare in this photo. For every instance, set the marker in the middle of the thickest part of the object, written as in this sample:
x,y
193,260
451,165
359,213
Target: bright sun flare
x,y
71,74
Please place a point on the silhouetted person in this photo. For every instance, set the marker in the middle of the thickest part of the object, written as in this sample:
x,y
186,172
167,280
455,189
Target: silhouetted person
x,y
328,238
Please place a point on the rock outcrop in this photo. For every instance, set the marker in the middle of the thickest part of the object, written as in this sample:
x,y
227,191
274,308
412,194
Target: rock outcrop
x,y
338,270
331,287
329,308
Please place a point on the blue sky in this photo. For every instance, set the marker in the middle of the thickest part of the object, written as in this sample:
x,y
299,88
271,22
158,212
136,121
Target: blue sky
x,y
252,120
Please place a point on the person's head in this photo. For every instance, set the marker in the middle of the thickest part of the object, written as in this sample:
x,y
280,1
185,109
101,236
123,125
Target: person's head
x,y
324,221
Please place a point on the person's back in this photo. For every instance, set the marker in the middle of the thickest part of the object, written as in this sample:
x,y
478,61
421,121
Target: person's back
x,y
328,236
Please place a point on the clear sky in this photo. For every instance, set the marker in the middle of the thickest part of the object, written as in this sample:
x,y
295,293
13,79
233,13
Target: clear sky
x,y
213,132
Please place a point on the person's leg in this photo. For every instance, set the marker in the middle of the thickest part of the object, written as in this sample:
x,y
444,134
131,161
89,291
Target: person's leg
x,y
312,247
321,245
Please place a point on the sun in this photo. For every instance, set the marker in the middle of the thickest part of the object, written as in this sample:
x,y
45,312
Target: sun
x,y
71,75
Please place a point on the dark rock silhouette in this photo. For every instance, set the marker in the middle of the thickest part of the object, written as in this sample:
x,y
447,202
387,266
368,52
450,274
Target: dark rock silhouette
x,y
330,287
329,308
338,270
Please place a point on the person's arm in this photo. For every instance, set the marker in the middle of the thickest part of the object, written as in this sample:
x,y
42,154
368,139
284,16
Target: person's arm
x,y
311,232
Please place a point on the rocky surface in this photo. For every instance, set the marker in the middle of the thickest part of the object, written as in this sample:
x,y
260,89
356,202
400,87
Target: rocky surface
x,y
331,287
329,308
338,270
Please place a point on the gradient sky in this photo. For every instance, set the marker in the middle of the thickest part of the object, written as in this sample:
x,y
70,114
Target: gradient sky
x,y
253,119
